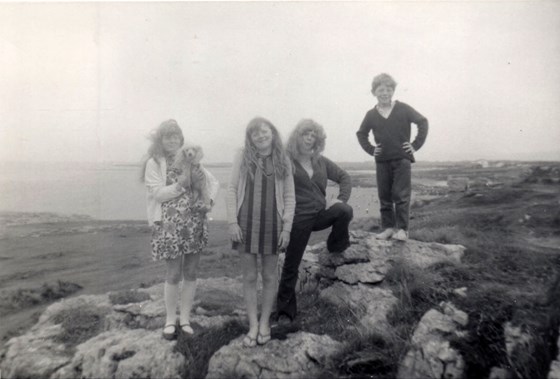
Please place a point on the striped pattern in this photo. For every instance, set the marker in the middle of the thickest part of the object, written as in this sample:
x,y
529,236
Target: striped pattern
x,y
258,217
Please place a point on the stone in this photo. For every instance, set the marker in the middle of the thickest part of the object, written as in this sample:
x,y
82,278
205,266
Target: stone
x,y
129,354
515,338
370,272
431,355
499,373
554,372
370,303
300,355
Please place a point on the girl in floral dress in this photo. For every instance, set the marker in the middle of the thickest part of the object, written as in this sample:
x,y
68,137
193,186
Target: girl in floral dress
x,y
179,223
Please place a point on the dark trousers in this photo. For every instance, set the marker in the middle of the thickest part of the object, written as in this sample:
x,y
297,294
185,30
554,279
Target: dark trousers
x,y
394,189
338,216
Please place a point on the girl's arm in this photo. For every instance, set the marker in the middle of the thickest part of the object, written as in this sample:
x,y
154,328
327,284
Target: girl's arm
x,y
212,184
231,196
155,183
289,199
340,176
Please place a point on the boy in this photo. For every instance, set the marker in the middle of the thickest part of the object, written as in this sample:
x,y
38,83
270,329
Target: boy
x,y
390,123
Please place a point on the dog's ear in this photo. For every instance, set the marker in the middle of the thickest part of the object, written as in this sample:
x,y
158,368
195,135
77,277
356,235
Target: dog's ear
x,y
199,154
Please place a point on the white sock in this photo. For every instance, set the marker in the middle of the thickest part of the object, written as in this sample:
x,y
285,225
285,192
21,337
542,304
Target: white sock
x,y
187,299
170,294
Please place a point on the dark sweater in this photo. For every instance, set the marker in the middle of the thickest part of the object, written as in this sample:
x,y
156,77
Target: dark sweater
x,y
392,132
311,192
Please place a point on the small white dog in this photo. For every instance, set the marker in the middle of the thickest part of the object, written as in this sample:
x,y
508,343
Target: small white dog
x,y
187,159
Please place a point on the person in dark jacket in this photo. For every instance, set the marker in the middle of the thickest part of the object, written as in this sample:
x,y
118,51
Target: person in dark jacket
x,y
390,123
313,210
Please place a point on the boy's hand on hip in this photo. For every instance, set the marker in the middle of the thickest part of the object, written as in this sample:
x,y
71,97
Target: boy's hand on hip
x,y
378,151
283,241
407,146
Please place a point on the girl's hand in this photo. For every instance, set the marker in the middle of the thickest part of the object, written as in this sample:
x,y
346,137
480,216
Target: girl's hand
x,y
283,241
378,151
235,234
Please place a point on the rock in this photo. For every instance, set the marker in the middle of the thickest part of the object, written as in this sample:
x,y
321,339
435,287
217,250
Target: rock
x,y
370,303
554,372
130,354
458,184
300,355
370,272
499,373
431,355
462,292
516,338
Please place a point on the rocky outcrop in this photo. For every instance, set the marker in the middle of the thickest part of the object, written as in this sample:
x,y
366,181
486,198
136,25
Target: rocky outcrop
x,y
126,342
431,355
300,355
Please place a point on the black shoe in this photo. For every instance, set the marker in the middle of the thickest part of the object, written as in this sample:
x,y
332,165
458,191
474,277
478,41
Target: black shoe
x,y
285,320
340,250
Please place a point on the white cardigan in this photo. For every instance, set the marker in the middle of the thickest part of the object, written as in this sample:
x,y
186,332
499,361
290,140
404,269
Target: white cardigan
x,y
157,192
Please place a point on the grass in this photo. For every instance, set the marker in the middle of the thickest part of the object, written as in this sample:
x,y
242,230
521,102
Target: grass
x,y
199,348
79,324
127,297
28,297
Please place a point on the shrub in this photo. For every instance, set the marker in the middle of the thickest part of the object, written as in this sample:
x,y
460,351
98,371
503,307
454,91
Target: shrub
x,y
47,293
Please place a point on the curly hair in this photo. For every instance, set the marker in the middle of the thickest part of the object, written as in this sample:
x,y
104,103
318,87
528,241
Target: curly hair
x,y
302,127
383,79
281,170
166,128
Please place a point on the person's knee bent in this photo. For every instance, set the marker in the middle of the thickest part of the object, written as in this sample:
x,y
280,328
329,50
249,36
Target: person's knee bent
x,y
345,211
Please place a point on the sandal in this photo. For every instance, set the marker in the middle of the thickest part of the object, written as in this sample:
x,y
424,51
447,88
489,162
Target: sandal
x,y
172,335
186,328
263,338
249,341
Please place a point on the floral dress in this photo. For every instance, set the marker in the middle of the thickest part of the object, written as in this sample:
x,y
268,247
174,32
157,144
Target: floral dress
x,y
183,228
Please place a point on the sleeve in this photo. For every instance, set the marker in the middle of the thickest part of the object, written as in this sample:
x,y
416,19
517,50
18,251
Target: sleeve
x,y
363,136
155,183
422,124
212,184
340,176
233,187
289,199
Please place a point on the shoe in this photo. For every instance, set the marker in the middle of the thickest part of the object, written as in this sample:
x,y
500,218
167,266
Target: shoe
x,y
284,320
263,338
249,341
169,335
186,328
400,235
386,234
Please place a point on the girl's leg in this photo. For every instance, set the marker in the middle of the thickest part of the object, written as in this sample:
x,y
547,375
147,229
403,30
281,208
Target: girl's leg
x,y
270,279
189,270
171,291
249,264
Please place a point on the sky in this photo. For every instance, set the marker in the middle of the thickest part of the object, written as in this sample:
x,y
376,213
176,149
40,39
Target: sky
x,y
87,82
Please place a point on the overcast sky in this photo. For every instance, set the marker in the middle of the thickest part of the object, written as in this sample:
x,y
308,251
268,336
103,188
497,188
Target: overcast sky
x,y
88,81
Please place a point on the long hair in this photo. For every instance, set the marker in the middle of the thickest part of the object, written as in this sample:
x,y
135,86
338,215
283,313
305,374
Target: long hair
x,y
166,128
281,170
302,127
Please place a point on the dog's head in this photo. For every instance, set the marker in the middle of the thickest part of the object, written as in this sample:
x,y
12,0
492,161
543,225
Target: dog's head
x,y
192,153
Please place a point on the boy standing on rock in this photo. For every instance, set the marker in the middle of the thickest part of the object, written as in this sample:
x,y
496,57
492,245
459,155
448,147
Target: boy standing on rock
x,y
390,122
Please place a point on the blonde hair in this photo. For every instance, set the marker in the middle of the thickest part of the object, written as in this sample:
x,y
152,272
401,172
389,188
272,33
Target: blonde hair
x,y
383,79
279,157
302,127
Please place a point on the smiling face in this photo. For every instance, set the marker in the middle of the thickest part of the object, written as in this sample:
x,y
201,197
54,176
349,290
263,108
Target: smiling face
x,y
171,143
384,94
307,142
261,137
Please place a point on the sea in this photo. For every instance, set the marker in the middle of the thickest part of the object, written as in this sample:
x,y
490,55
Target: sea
x,y
109,191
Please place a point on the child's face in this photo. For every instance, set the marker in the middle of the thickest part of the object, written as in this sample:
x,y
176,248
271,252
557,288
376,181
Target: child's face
x,y
307,142
261,137
384,94
171,143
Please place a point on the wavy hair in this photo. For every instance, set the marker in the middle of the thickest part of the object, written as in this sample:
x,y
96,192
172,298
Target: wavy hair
x,y
302,127
166,128
281,170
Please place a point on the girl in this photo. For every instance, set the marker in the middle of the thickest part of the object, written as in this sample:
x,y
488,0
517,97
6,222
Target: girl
x,y
260,206
179,224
